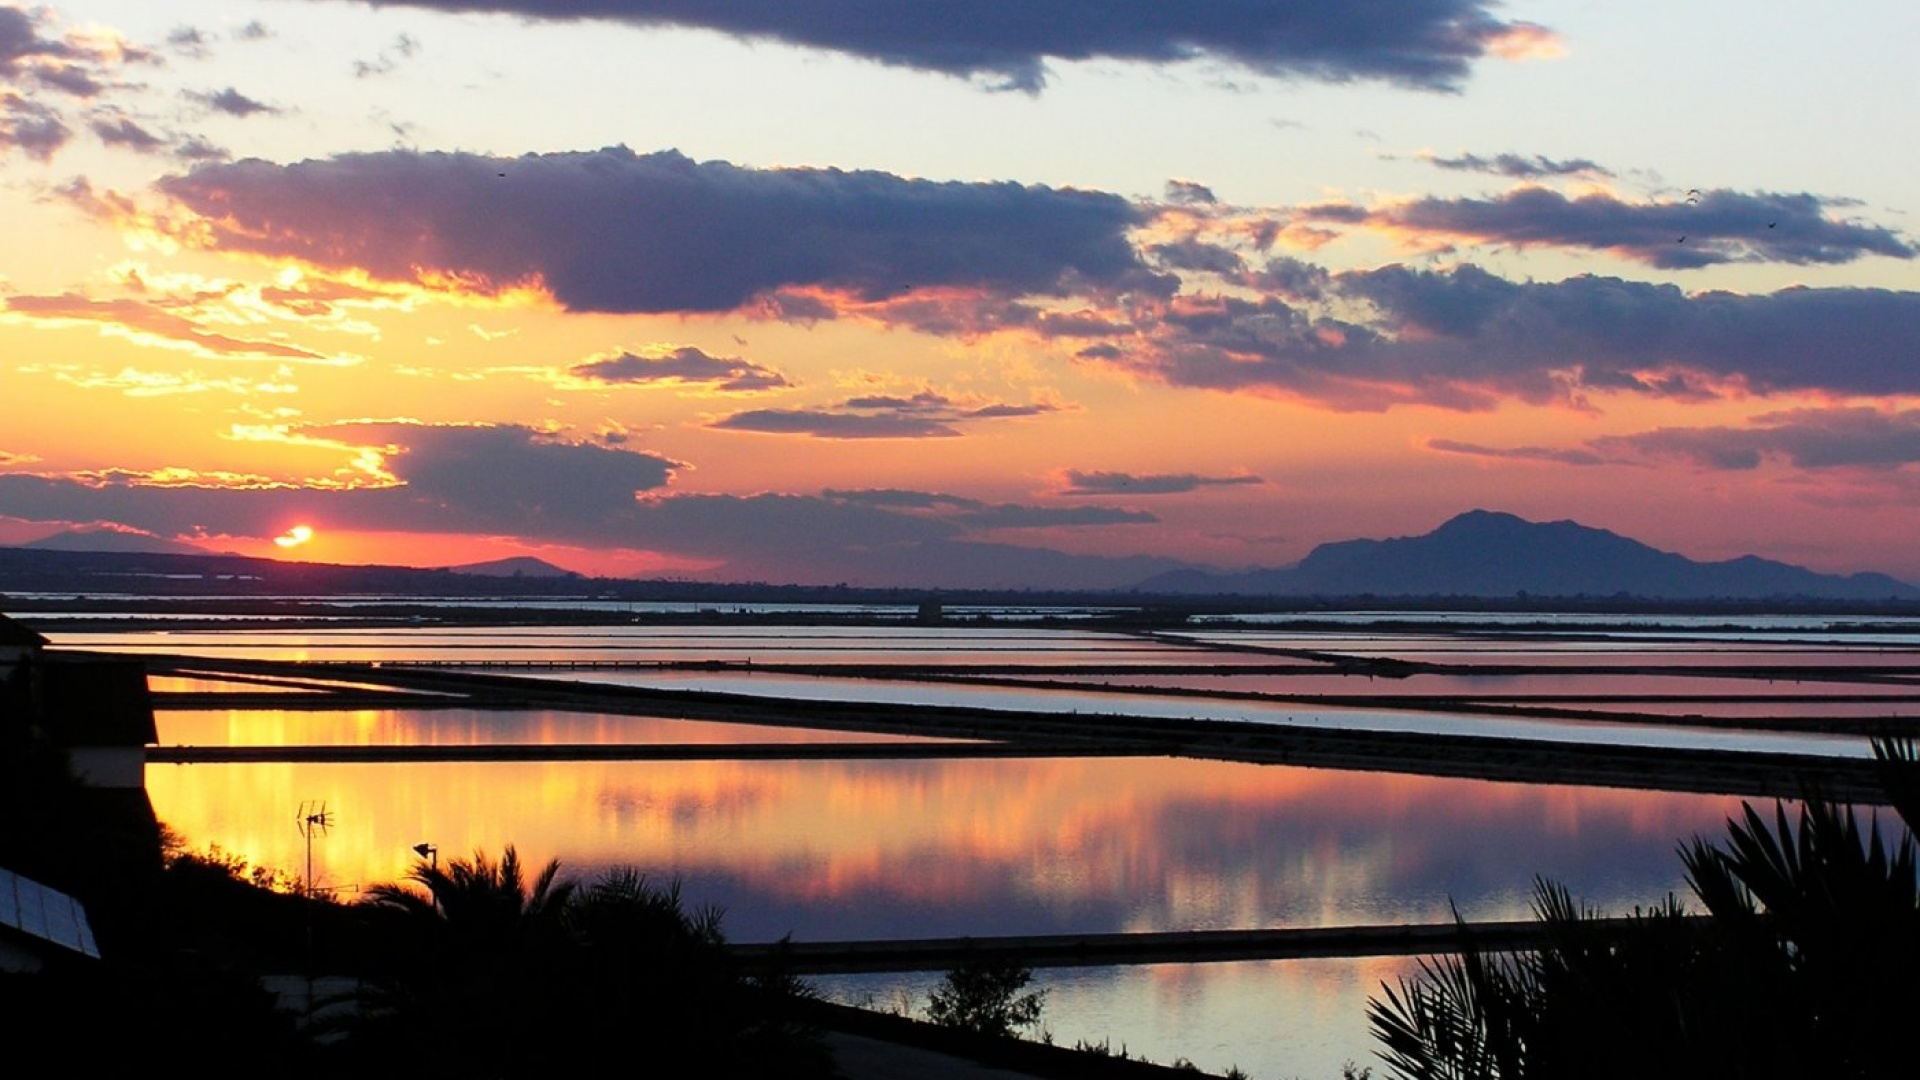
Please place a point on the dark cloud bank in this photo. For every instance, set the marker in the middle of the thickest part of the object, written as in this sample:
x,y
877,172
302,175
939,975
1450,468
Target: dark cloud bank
x,y
615,231
1119,483
509,480
683,365
1714,227
1857,437
925,415
1872,440
1466,339
506,479
1422,43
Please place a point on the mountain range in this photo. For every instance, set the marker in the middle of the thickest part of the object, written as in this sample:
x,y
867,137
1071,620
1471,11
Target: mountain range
x,y
1487,554
121,540
1481,555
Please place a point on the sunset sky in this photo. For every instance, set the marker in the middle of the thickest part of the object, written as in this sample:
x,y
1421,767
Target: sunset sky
x,y
984,293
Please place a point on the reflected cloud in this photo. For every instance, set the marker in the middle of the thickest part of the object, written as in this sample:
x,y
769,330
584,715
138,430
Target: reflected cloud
x,y
925,848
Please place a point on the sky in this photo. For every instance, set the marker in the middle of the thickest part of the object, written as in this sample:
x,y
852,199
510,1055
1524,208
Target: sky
x,y
972,294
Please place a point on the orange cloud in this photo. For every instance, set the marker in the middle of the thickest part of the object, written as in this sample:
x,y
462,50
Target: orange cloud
x,y
146,324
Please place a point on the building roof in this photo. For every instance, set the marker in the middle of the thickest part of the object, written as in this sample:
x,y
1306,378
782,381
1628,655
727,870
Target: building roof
x,y
17,635
43,917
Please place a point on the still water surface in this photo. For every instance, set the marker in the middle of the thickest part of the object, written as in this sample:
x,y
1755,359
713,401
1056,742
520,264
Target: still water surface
x,y
1091,703
476,727
639,644
876,849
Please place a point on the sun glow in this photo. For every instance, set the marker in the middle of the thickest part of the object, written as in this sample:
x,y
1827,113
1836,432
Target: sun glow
x,y
294,537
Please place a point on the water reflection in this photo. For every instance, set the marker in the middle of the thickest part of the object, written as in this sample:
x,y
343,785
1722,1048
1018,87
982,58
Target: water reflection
x,y
1624,624
1093,703
1706,650
470,727
831,849
654,644
1272,1019
876,849
1485,687
1622,693
174,684
1753,710
844,849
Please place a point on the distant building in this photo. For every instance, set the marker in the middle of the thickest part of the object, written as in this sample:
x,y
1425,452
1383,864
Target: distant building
x,y
94,708
74,729
17,643
99,711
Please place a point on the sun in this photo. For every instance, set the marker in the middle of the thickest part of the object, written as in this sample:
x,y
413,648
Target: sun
x,y
295,536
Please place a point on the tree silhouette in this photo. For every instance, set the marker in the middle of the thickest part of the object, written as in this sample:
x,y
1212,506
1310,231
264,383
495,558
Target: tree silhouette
x,y
480,903
984,996
1803,965
495,974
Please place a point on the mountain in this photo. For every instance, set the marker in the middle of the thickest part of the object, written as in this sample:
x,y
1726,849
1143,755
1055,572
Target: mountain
x,y
42,571
520,566
1482,553
1479,554
113,540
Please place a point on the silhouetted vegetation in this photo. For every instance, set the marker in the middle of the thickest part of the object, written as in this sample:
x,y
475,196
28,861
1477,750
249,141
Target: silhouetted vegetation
x,y
985,997
496,972
183,945
1802,965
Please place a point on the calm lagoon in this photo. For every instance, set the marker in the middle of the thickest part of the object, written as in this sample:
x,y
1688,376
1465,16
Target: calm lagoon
x,y
834,849
829,850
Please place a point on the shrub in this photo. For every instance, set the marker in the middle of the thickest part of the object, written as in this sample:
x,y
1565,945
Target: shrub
x,y
985,996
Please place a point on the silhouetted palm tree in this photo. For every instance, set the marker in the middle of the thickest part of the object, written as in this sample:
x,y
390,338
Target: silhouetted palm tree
x,y
1804,966
482,902
498,975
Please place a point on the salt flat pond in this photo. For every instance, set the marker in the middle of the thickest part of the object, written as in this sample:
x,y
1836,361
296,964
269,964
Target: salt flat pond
x,y
829,849
837,850
783,644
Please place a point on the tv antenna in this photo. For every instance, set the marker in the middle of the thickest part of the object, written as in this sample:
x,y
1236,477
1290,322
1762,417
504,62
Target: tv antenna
x,y
312,819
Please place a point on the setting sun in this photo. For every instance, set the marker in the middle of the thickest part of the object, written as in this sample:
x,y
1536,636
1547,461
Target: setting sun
x,y
294,537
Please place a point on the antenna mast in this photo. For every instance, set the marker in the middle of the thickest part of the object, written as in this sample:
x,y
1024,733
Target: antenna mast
x,y
312,819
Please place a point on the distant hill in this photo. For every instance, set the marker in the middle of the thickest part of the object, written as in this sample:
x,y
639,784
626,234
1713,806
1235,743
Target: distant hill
x,y
520,566
113,540
1486,554
1477,558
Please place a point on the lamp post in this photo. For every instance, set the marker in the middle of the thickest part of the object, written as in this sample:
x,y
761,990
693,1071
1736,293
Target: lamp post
x,y
431,853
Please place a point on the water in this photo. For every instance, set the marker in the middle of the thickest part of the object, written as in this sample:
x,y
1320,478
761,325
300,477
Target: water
x,y
1283,714
909,848
661,645
884,849
1274,1020
476,727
